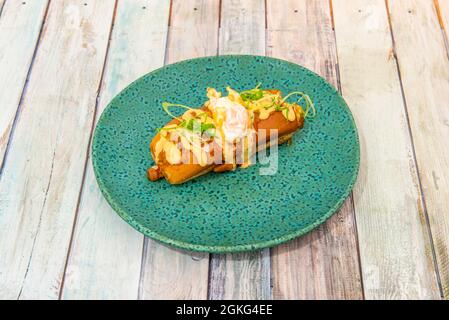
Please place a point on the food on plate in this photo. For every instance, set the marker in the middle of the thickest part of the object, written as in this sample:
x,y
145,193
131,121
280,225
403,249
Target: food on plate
x,y
225,133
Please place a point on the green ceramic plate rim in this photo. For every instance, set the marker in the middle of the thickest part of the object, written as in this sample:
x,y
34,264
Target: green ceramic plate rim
x,y
234,248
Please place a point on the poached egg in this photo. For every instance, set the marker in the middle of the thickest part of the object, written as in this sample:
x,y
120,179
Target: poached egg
x,y
230,117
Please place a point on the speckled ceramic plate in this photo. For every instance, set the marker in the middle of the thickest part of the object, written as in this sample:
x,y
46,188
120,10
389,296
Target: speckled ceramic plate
x,y
235,211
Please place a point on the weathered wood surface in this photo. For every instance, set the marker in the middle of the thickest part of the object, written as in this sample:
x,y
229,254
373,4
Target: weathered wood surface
x,y
425,78
246,275
20,26
324,263
106,254
242,27
394,243
168,273
42,176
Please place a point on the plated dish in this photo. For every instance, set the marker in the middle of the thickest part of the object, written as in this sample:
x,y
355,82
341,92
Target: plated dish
x,y
225,133
238,210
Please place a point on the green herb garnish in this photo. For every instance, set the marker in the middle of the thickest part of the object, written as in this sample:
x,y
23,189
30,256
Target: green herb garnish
x,y
253,94
306,98
166,105
196,124
210,127
273,104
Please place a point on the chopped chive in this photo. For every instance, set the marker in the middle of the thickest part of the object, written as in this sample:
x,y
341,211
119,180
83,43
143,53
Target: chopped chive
x,y
166,105
306,98
253,94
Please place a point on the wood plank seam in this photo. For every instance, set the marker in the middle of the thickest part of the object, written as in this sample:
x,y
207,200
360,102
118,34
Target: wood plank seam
x,y
52,154
223,269
97,101
211,263
337,64
266,23
185,17
386,196
167,40
211,260
351,195
443,27
443,19
145,238
220,5
169,20
308,267
415,162
25,86
93,271
38,225
356,233
267,260
1,8
144,252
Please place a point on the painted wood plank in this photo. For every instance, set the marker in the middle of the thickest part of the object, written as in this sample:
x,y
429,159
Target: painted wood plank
x,y
19,32
424,68
242,27
240,276
394,243
197,21
245,275
324,263
169,273
42,176
93,271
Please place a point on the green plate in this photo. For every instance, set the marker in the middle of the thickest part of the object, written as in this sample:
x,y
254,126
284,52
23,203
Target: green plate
x,y
235,211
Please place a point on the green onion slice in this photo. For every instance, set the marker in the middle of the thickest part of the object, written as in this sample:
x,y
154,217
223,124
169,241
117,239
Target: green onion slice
x,y
306,98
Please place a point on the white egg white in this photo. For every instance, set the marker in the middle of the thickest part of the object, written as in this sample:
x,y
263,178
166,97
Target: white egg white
x,y
230,117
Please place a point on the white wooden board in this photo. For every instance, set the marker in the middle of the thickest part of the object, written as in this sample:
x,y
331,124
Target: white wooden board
x,y
425,79
168,273
20,26
42,176
106,255
394,243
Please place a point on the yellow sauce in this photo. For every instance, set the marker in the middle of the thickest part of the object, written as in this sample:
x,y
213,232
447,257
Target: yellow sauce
x,y
188,140
266,105
172,153
192,142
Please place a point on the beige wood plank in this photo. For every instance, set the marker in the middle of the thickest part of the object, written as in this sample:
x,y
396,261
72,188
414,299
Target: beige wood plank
x,y
93,271
19,31
168,273
42,176
394,242
245,275
242,27
324,263
197,21
240,276
424,67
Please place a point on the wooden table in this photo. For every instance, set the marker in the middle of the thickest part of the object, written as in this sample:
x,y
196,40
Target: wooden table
x,y
61,62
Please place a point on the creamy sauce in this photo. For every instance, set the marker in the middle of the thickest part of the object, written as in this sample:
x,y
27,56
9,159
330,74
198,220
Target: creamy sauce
x,y
233,121
171,151
270,103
